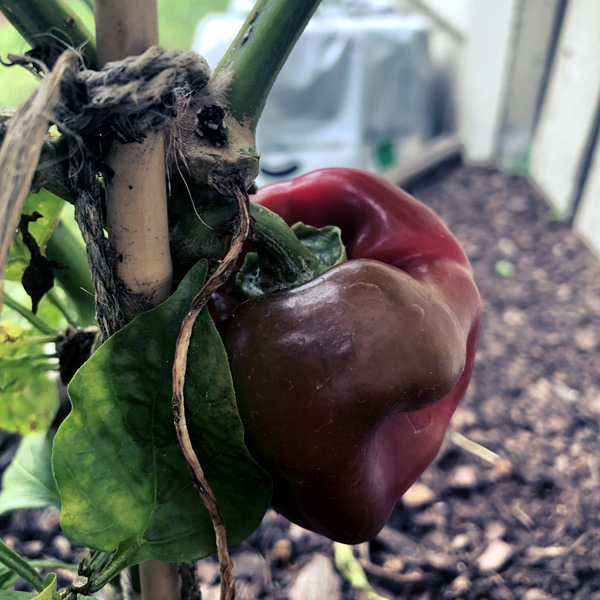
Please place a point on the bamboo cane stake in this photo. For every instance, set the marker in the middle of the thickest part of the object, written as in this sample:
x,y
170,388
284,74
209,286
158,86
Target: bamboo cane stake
x,y
136,205
136,195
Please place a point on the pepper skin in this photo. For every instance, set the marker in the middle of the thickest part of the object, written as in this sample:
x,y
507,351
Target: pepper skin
x,y
346,384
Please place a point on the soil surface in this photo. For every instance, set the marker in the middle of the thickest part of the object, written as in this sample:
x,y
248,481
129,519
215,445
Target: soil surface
x,y
521,522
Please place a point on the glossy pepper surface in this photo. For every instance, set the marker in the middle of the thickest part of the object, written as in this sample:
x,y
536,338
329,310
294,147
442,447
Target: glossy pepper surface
x,y
346,384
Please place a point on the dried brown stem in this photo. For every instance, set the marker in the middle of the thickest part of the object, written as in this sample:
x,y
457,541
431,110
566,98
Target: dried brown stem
x,y
21,147
474,448
179,368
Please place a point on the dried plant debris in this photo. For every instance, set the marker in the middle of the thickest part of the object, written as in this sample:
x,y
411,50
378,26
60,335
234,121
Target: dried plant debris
x,y
38,277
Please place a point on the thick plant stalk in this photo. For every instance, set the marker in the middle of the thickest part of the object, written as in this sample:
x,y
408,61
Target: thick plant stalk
x,y
255,57
136,204
136,196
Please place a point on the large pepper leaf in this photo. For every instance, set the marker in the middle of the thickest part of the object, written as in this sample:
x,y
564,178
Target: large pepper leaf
x,y
28,481
120,471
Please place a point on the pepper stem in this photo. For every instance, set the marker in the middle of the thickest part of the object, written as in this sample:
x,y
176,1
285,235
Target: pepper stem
x,y
284,257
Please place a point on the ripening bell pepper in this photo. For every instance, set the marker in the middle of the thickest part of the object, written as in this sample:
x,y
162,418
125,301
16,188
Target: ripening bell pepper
x,y
346,384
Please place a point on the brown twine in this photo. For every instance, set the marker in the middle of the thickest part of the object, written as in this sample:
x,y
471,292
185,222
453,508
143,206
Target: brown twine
x,y
188,574
131,97
100,253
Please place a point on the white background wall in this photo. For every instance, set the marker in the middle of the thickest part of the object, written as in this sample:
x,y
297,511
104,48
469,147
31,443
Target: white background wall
x,y
528,88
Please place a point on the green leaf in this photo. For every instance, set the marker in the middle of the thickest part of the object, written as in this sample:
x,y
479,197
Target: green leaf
x,y
120,471
49,206
28,395
352,571
324,243
260,274
504,268
7,578
20,566
50,591
28,482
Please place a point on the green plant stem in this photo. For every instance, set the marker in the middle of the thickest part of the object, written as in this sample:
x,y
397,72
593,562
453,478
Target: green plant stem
x,y
57,302
257,54
14,561
98,560
352,571
53,564
27,314
110,570
202,230
35,340
65,248
46,366
38,356
50,21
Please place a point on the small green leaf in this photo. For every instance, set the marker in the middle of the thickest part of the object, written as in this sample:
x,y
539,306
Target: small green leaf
x,y
7,578
260,274
504,268
325,243
50,591
28,482
352,571
48,205
120,471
